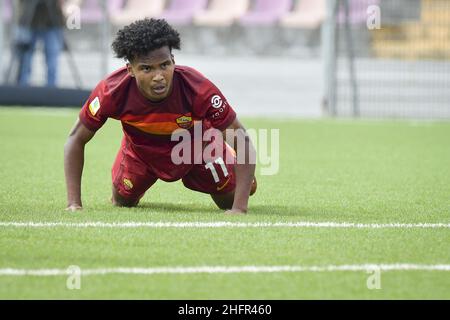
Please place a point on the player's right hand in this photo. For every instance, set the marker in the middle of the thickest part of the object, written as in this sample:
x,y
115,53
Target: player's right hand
x,y
74,207
254,186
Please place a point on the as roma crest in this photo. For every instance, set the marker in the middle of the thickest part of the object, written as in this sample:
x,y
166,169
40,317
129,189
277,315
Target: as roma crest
x,y
184,122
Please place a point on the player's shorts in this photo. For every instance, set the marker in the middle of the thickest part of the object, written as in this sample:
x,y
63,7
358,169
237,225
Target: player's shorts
x,y
131,177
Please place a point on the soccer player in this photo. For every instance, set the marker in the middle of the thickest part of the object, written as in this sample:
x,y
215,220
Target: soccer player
x,y
154,98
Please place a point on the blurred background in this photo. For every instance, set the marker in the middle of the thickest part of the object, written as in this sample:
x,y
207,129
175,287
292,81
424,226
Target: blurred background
x,y
308,58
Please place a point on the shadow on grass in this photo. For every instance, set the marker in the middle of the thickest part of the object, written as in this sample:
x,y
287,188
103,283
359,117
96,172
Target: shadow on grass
x,y
261,210
254,210
167,207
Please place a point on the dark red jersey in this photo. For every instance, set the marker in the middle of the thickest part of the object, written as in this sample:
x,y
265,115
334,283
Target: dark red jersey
x,y
147,125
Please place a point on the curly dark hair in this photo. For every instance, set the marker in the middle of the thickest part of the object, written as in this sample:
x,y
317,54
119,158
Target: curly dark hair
x,y
144,36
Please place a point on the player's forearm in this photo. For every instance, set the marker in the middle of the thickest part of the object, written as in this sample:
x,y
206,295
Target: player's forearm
x,y
73,168
244,178
245,173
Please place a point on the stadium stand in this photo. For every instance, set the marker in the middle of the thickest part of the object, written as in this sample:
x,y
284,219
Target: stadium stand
x,y
259,31
7,10
427,38
265,12
358,11
307,14
221,13
301,27
215,26
181,12
138,9
92,12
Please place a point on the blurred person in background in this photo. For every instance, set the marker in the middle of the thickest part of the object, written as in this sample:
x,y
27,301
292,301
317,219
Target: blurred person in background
x,y
39,20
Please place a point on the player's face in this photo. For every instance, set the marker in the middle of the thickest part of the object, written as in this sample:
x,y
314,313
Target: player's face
x,y
154,73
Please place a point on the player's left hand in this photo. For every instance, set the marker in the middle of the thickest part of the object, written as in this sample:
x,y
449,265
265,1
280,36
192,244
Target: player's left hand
x,y
74,208
235,212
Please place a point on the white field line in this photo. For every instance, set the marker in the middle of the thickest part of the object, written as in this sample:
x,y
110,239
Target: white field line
x,y
225,225
223,269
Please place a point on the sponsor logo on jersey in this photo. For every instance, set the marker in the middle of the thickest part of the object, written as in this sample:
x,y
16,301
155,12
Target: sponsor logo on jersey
x,y
184,122
127,184
216,102
94,106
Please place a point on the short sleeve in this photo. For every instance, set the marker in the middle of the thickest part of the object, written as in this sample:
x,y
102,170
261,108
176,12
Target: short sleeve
x,y
212,105
94,112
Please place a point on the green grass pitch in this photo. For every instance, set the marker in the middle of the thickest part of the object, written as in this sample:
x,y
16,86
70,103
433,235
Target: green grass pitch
x,y
355,171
